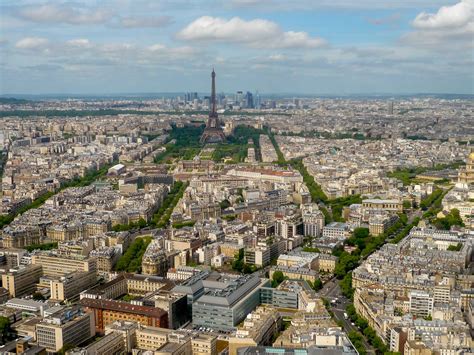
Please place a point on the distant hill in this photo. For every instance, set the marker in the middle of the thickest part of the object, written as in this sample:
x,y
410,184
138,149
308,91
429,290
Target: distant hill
x,y
12,101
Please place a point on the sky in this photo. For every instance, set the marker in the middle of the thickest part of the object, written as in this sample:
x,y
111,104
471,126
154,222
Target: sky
x,y
338,47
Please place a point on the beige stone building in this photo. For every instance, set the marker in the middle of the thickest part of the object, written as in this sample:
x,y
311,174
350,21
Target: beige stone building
x,y
55,265
204,344
70,286
258,328
22,281
69,326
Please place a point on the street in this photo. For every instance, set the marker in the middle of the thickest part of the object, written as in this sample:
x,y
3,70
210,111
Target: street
x,y
332,291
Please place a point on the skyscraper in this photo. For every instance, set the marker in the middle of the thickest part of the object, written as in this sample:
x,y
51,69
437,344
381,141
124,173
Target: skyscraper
x,y
249,100
213,132
257,100
390,107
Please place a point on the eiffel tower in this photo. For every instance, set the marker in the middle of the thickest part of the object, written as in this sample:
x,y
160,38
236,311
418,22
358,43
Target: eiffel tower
x,y
213,132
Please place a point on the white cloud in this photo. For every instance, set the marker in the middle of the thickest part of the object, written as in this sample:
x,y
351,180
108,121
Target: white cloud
x,y
454,16
62,13
450,27
258,33
138,22
32,43
79,42
276,57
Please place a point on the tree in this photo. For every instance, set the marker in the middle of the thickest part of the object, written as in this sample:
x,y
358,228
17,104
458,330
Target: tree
x,y
224,204
247,269
4,329
457,247
318,284
141,223
238,263
453,218
361,233
278,277
346,286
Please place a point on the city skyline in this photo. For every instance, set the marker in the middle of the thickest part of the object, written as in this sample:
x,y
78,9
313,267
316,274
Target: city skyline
x,y
329,48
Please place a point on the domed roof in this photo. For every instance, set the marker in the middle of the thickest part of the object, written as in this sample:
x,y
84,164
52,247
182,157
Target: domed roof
x,y
471,156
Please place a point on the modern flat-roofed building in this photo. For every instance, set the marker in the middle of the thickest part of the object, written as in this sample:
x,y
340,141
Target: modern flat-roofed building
x,y
222,309
69,326
204,344
128,331
56,265
174,303
112,343
22,281
279,298
27,306
70,286
163,341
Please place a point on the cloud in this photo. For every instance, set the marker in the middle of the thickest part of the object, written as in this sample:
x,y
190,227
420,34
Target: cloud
x,y
32,43
257,33
84,53
276,57
450,27
138,22
455,16
79,42
62,13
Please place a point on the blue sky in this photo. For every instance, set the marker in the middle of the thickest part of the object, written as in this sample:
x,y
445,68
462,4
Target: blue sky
x,y
274,46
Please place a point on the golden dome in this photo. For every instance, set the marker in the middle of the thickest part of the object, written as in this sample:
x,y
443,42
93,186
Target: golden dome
x,y
471,156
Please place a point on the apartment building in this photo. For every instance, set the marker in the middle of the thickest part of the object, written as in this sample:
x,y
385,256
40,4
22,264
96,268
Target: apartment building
x,y
258,328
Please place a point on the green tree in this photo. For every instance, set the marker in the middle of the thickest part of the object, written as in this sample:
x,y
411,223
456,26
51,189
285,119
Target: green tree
x,y
278,277
361,233
247,269
318,284
456,247
453,218
4,329
224,204
238,263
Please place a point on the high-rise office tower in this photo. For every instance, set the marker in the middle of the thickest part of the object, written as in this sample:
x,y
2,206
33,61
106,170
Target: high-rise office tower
x,y
390,107
249,100
258,103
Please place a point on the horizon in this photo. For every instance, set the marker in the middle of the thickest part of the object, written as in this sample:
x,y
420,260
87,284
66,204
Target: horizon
x,y
279,95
